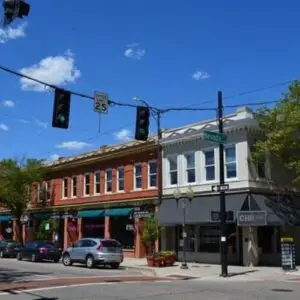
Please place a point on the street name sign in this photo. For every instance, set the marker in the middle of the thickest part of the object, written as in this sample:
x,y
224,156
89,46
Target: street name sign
x,y
216,137
101,102
220,188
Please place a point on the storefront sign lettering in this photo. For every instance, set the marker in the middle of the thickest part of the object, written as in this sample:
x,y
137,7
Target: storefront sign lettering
x,y
251,218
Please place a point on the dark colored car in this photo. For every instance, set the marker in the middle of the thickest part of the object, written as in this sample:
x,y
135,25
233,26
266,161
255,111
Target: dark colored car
x,y
9,248
38,251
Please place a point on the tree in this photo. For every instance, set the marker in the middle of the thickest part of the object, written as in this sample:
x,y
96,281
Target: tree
x,y
281,128
46,230
17,179
151,233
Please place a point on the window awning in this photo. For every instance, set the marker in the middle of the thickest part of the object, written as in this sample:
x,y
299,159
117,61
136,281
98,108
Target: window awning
x,y
118,212
5,218
91,213
42,216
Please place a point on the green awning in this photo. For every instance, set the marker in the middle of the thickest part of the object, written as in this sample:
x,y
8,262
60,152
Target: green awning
x,y
118,212
95,213
42,216
4,218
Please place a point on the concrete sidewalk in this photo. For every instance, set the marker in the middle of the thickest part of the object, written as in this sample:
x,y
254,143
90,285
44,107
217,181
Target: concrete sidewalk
x,y
212,272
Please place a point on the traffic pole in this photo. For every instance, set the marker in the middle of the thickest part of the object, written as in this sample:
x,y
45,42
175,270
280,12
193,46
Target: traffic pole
x,y
223,229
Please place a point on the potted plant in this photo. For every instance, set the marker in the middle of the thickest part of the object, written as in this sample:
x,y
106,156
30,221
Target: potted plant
x,y
169,257
151,233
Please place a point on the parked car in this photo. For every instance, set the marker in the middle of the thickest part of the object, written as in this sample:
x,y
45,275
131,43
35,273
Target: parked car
x,y
9,248
38,251
94,251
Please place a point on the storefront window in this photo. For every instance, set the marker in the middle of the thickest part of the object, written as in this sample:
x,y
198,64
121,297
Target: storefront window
x,y
190,239
93,227
269,239
122,229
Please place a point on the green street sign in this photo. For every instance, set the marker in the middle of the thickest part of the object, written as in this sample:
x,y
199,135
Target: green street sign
x,y
215,137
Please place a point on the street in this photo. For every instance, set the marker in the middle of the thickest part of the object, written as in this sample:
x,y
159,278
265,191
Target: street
x,y
12,270
175,290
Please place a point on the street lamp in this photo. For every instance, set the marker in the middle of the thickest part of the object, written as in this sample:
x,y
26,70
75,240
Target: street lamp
x,y
189,195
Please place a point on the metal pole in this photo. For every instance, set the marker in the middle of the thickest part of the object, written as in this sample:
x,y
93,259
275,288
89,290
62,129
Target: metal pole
x,y
223,231
184,264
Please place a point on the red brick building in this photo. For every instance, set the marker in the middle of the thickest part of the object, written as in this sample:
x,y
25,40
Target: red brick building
x,y
98,194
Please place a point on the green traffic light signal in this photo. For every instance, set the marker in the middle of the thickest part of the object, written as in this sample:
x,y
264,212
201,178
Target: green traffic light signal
x,y
61,118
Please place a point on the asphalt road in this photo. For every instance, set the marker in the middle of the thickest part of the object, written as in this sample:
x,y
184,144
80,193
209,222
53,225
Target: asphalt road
x,y
175,290
12,270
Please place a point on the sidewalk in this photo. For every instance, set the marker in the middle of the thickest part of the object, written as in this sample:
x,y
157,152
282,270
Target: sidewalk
x,y
212,272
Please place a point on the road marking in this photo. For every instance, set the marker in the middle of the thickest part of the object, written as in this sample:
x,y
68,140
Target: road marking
x,y
74,285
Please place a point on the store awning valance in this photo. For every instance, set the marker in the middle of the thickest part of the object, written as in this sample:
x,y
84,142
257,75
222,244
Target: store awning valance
x,y
5,218
42,216
118,212
91,213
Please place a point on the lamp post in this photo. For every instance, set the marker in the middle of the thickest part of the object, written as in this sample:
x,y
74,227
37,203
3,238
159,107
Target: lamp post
x,y
188,195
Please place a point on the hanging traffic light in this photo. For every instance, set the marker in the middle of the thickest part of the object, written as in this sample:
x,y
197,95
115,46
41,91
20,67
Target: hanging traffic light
x,y
61,109
14,9
142,123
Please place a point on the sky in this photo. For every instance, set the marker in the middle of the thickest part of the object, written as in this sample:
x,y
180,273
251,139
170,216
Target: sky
x,y
168,53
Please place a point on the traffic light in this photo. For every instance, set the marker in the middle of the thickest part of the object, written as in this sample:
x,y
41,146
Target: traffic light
x,y
61,109
14,9
142,123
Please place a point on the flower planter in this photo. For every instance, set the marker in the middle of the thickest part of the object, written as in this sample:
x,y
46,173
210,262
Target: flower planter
x,y
169,260
150,261
159,262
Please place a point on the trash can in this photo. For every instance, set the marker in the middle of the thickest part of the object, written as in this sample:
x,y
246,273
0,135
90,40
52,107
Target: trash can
x,y
288,255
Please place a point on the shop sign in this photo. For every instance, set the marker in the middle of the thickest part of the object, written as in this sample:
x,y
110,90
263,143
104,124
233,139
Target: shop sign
x,y
143,212
251,218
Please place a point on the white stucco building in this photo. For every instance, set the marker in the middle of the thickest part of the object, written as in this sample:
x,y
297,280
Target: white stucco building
x,y
189,161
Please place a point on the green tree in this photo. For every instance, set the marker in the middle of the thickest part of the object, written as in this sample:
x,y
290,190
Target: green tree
x,y
151,233
46,230
281,129
16,184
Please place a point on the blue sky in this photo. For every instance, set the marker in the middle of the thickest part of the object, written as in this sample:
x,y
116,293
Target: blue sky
x,y
169,53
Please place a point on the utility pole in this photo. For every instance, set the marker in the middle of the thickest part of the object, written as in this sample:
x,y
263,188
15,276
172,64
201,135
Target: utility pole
x,y
159,157
223,225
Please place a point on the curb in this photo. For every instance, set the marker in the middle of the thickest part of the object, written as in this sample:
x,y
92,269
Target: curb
x,y
146,271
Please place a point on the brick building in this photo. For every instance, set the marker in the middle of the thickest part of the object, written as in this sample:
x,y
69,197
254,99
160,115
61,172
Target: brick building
x,y
97,194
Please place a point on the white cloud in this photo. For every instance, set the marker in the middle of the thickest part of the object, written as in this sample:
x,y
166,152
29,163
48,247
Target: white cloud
x,y
24,121
41,124
134,51
8,103
123,135
56,70
3,127
200,75
10,33
54,157
72,145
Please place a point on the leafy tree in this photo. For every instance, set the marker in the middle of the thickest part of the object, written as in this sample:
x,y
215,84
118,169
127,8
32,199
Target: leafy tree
x,y
281,128
17,179
46,234
151,232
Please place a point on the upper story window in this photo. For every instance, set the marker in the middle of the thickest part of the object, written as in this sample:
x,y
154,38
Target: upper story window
x,y
65,188
137,176
39,192
190,167
120,178
74,186
209,157
152,174
230,162
48,190
97,182
87,184
108,180
173,170
260,166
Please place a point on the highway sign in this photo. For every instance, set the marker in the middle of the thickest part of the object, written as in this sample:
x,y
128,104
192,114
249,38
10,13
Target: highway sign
x,y
101,102
220,187
215,137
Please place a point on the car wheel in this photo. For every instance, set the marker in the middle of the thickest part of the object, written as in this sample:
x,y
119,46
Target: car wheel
x,y
66,260
19,256
89,261
33,258
115,265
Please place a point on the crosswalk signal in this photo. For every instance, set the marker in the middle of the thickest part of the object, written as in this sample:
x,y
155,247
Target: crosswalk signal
x,y
142,123
14,9
61,109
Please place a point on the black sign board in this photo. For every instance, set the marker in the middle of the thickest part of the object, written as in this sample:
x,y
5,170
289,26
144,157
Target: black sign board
x,y
288,254
144,211
215,216
251,218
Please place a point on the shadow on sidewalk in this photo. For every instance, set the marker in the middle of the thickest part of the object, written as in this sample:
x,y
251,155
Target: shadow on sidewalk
x,y
242,273
13,275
